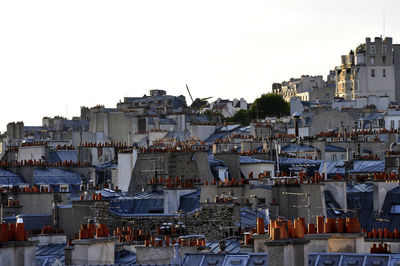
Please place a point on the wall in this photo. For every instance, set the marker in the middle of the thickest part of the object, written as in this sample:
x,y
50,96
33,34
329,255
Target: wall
x,y
18,253
159,255
338,192
293,206
231,160
172,199
39,203
257,168
32,153
202,131
380,190
72,216
396,59
93,251
46,239
323,120
126,164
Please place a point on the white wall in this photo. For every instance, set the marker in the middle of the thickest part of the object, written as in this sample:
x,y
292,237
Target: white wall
x,y
257,168
202,131
303,131
31,153
172,199
126,163
392,116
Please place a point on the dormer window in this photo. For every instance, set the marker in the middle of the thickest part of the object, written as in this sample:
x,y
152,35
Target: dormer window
x,y
64,188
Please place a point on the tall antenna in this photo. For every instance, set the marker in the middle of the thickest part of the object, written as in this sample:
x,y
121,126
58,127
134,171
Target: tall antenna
x,y
383,24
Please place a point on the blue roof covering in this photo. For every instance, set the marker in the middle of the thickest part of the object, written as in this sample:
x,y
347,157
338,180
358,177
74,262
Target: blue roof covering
x,y
141,203
225,259
49,255
32,221
63,155
377,166
167,121
106,165
190,202
360,187
332,148
251,160
56,176
228,128
248,217
314,259
287,164
179,135
125,257
108,193
213,137
332,168
352,259
294,147
9,178
390,217
231,246
214,165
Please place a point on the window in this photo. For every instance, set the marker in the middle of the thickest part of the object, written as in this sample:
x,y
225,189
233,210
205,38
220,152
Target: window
x,y
332,207
333,157
395,209
384,73
64,188
384,60
383,49
372,49
372,73
260,201
391,124
372,59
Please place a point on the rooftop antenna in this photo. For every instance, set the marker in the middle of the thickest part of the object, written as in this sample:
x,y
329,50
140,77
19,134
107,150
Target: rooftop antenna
x,y
384,24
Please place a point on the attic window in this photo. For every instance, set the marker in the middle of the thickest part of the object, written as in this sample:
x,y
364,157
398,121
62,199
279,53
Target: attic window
x,y
395,209
332,207
64,188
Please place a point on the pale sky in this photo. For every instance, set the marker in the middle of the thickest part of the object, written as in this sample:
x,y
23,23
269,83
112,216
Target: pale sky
x,y
56,56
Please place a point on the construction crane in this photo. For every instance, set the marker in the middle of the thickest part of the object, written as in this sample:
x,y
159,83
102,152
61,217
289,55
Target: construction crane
x,y
197,103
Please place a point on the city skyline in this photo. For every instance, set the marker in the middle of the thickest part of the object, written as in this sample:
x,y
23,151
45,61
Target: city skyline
x,y
57,57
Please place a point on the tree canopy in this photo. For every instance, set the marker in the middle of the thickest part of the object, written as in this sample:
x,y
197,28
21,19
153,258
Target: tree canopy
x,y
269,105
266,105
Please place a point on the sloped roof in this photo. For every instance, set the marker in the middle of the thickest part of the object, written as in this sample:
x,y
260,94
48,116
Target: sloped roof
x,y
125,257
377,166
178,135
32,221
332,148
141,203
225,259
190,202
248,217
294,147
47,255
332,168
9,178
251,160
63,155
56,176
231,246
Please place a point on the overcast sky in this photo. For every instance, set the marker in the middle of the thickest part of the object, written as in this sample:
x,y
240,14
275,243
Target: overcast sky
x,y
56,56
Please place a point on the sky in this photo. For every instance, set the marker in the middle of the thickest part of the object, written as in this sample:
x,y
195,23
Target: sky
x,y
56,56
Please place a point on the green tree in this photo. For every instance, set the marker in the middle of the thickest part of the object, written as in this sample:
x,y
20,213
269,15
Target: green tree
x,y
242,117
269,105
